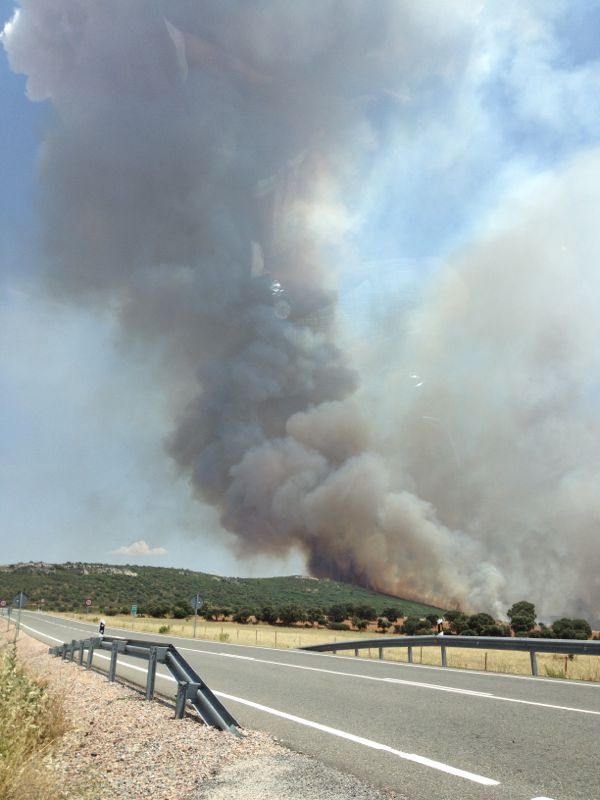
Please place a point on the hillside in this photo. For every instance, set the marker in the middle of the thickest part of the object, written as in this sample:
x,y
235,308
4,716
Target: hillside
x,y
65,587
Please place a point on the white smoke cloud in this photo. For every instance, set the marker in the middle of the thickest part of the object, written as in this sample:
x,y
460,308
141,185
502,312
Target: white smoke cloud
x,y
139,548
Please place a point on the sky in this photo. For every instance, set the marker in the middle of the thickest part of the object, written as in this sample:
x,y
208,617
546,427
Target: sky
x,y
414,406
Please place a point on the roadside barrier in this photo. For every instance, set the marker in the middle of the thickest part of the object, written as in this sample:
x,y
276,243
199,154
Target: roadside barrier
x,y
190,686
532,646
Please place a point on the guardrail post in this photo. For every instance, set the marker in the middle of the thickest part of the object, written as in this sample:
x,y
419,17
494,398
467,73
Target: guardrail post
x,y
186,690
90,657
64,651
381,653
444,660
356,652
181,699
151,673
72,649
534,669
80,653
410,654
112,670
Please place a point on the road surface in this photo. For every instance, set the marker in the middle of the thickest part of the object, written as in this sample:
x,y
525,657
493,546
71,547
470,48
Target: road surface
x,y
428,733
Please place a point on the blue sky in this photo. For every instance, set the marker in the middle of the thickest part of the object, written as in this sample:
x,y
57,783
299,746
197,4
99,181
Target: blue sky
x,y
491,104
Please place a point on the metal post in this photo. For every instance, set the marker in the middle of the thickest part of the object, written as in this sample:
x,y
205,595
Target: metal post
x,y
534,669
151,673
64,651
72,649
410,655
444,661
112,671
181,699
80,653
90,657
381,653
356,652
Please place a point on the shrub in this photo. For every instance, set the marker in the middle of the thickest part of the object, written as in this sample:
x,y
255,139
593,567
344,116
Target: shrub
x,y
571,628
479,622
164,629
496,630
223,637
268,614
242,616
337,613
365,612
291,614
392,613
338,626
414,626
31,717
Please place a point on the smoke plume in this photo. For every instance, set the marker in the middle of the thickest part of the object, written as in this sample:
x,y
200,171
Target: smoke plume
x,y
203,182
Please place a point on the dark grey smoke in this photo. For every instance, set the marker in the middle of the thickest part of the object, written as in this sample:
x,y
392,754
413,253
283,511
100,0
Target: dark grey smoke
x,y
196,185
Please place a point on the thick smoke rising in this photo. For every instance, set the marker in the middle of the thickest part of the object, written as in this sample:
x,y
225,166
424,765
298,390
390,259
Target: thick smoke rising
x,y
202,182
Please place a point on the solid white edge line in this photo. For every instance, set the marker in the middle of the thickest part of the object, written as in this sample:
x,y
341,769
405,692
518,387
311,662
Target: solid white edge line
x,y
427,762
423,760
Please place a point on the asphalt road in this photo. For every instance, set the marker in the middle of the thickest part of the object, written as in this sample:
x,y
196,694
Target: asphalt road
x,y
426,732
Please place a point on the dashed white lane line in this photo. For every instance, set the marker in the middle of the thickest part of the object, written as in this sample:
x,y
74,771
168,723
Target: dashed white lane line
x,y
423,760
331,656
416,684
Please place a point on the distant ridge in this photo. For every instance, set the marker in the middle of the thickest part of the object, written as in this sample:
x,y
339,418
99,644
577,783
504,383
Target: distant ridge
x,y
115,588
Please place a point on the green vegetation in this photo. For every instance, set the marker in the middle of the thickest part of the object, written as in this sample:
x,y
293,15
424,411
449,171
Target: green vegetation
x,y
31,718
166,592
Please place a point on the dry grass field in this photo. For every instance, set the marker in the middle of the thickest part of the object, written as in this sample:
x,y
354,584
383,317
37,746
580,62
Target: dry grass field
x,y
585,668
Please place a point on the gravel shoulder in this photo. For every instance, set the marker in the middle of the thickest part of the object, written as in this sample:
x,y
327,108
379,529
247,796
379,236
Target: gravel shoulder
x,y
121,747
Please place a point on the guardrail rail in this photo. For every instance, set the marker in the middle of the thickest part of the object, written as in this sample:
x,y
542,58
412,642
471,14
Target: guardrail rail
x,y
532,646
190,686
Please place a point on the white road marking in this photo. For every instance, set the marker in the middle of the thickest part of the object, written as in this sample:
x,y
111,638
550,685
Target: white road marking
x,y
417,684
423,760
373,662
427,762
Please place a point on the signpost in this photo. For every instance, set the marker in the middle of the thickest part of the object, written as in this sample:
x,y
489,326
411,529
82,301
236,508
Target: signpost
x,y
134,611
196,602
19,601
88,603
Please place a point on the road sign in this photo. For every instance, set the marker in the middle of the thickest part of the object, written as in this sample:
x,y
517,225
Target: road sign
x,y
2,603
134,611
196,602
88,601
20,600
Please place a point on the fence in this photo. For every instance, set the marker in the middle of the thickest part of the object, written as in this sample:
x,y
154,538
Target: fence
x,y
190,686
532,646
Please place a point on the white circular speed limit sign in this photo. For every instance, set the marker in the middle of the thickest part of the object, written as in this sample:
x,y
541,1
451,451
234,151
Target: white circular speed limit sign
x,y
88,602
2,603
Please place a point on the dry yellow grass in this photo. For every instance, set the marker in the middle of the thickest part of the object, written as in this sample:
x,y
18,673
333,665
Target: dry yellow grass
x,y
586,668
31,720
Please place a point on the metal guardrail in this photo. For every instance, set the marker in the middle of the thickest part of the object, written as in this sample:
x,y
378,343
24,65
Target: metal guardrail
x,y
532,646
190,686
